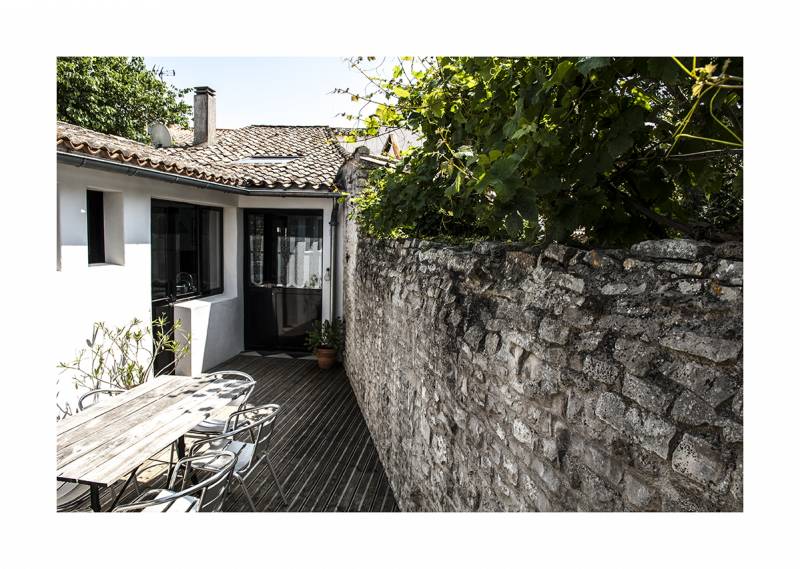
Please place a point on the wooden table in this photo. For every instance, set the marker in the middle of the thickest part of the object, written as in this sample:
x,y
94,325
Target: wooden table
x,y
110,439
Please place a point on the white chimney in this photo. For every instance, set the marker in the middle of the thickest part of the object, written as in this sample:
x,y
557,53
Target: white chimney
x,y
205,116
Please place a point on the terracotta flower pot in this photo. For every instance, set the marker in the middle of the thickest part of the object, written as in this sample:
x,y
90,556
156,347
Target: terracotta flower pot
x,y
326,357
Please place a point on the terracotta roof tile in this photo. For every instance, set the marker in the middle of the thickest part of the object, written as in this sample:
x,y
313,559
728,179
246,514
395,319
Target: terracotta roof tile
x,y
315,154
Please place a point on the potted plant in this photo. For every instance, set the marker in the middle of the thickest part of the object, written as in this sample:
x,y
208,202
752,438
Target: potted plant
x,y
325,340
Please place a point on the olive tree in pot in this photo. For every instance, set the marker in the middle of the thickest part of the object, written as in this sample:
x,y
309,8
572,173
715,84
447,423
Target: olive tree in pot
x,y
325,340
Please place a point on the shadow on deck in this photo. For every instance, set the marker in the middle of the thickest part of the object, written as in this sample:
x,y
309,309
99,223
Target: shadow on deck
x,y
321,448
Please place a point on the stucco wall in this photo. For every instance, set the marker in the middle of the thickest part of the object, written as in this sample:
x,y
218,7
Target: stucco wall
x,y
499,378
119,291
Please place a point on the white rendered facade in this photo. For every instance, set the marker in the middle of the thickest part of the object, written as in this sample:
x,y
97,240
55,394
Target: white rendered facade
x,y
120,290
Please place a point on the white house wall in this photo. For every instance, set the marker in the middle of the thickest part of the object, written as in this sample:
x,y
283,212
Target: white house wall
x,y
120,291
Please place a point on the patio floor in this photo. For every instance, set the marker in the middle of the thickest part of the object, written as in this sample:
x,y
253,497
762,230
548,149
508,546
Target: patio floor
x,y
321,448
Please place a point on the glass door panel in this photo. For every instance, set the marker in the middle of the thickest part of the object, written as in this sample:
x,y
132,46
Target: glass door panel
x,y
284,272
256,237
299,251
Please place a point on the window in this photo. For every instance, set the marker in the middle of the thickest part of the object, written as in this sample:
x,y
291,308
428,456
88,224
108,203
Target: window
x,y
186,250
95,227
105,240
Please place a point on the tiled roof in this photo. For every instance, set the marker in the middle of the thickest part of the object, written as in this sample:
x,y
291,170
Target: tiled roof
x,y
316,156
396,139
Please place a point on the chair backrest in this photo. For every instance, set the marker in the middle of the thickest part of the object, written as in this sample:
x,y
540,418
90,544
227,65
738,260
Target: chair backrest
x,y
209,493
96,395
257,422
248,382
253,425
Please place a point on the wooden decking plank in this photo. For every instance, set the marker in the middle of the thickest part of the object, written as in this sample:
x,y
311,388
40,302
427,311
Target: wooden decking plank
x,y
379,492
303,443
357,446
348,491
362,489
291,427
324,468
342,466
322,447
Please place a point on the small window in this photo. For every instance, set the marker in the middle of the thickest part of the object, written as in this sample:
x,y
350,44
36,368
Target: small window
x,y
95,227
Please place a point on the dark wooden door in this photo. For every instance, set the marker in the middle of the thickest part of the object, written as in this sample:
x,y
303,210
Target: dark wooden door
x,y
283,277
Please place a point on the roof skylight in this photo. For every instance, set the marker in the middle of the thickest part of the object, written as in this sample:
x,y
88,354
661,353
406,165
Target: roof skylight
x,y
259,159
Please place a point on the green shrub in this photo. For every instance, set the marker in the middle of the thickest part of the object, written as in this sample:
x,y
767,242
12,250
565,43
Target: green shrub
x,y
605,151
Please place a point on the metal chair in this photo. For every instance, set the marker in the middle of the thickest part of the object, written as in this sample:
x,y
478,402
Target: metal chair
x,y
258,423
216,425
194,498
69,495
95,393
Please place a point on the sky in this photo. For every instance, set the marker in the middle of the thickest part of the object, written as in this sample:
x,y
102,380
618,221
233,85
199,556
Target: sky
x,y
269,90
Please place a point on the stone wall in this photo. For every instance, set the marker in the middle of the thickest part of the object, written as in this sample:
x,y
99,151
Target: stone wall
x,y
502,378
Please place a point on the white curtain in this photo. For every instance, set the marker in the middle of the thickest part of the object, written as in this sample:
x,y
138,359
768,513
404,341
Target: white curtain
x,y
300,253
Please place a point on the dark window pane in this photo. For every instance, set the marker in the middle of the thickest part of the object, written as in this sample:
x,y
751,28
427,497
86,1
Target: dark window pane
x,y
95,238
185,247
160,252
186,250
211,249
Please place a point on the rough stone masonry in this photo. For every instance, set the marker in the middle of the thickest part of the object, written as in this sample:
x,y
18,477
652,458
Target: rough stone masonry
x,y
503,378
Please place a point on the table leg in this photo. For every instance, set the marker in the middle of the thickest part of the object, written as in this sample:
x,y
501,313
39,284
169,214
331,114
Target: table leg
x,y
94,495
180,452
122,491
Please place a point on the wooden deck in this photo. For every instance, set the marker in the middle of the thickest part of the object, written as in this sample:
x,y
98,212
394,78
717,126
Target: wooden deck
x,y
321,448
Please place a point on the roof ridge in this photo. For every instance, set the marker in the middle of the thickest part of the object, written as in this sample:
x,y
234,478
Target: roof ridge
x,y
288,126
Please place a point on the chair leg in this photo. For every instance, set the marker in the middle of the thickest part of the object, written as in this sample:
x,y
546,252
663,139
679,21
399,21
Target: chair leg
x,y
278,482
245,490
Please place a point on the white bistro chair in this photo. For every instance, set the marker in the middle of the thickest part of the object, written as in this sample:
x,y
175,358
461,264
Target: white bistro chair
x,y
216,425
205,495
254,424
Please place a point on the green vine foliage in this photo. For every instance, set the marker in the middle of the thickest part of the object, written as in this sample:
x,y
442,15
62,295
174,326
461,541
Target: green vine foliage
x,y
604,151
116,95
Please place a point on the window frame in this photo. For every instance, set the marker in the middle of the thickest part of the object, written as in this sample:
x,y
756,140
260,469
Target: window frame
x,y
172,208
95,227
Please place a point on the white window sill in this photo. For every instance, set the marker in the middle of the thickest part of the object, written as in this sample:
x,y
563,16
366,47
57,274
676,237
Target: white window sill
x,y
93,265
206,300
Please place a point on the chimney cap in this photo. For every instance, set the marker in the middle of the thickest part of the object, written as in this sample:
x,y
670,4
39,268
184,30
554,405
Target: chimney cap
x,y
204,91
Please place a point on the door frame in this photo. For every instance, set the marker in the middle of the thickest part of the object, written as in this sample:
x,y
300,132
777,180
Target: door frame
x,y
246,213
